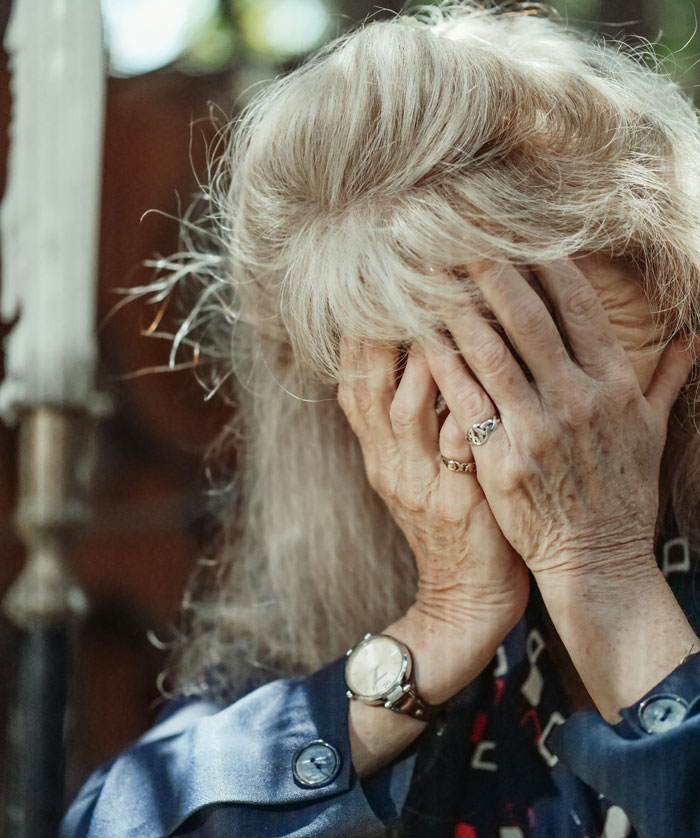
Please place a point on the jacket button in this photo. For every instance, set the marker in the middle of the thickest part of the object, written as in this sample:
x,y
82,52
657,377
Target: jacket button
x,y
316,764
659,713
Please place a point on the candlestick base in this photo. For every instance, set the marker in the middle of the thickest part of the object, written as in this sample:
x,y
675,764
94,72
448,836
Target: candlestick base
x,y
56,458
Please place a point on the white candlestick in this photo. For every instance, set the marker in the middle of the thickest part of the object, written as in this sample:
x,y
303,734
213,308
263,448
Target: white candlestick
x,y
50,212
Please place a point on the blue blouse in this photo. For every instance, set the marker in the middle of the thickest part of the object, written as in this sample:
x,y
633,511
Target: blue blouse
x,y
510,759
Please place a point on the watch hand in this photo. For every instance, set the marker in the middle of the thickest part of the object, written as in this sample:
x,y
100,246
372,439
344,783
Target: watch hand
x,y
316,760
322,764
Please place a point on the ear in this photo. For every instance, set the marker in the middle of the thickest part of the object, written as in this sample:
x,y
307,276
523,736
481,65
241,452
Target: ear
x,y
671,374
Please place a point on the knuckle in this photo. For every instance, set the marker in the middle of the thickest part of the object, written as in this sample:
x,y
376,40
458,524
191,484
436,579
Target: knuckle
x,y
472,405
452,440
578,410
580,302
625,390
371,401
492,355
388,492
412,501
535,322
375,478
527,469
402,415
519,471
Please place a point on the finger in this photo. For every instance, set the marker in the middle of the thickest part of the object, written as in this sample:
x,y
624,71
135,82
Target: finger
x,y
491,361
583,319
374,391
413,418
525,319
466,399
454,448
671,374
349,366
367,387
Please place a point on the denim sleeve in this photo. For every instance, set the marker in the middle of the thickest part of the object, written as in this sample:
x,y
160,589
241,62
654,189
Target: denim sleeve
x,y
206,771
652,776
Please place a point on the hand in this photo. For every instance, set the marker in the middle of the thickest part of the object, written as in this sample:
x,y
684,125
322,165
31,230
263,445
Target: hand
x,y
467,571
571,473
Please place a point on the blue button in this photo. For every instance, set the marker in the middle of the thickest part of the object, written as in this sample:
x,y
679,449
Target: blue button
x,y
660,713
316,764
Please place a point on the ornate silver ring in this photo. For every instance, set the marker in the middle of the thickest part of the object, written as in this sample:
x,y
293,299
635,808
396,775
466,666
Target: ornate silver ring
x,y
479,433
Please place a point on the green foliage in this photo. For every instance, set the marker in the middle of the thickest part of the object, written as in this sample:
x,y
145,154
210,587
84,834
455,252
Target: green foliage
x,y
670,25
578,11
676,40
214,48
241,28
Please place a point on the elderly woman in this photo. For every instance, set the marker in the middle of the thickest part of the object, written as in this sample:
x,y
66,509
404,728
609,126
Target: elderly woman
x,y
456,287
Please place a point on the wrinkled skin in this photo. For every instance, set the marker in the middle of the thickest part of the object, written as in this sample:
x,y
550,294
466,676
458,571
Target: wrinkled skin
x,y
466,568
571,473
568,483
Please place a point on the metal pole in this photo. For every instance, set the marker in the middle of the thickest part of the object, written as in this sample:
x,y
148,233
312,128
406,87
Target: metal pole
x,y
35,793
56,454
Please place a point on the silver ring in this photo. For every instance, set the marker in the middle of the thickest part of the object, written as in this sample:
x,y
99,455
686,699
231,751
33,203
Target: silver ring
x,y
455,465
479,433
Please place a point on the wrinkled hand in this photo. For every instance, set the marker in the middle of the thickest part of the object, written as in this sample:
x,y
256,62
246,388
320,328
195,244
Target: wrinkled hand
x,y
466,569
571,473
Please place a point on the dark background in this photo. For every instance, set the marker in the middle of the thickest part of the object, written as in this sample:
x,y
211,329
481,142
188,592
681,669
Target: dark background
x,y
150,517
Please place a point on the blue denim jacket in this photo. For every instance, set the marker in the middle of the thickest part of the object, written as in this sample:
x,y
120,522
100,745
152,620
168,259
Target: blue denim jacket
x,y
508,761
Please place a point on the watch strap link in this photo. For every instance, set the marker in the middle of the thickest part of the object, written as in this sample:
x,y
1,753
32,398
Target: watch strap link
x,y
413,705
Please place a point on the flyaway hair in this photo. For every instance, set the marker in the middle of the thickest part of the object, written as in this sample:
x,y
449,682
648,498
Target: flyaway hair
x,y
345,199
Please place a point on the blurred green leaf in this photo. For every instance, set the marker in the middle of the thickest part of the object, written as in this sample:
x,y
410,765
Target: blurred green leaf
x,y
213,48
578,11
278,30
674,25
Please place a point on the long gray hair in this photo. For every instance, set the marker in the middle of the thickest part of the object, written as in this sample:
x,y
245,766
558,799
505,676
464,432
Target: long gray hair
x,y
347,196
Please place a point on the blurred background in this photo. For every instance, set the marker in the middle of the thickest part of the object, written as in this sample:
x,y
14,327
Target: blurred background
x,y
172,64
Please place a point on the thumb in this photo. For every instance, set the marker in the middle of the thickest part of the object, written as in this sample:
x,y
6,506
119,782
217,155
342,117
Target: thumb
x,y
671,374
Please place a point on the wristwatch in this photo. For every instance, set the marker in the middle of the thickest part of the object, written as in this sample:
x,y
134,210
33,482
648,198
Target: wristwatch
x,y
379,670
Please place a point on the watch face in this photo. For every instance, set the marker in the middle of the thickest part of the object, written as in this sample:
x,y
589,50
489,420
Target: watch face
x,y
375,667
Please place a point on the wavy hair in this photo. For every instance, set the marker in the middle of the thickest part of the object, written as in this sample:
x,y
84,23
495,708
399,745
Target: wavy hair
x,y
344,199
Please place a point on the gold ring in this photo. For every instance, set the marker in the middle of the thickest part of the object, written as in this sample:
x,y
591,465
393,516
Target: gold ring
x,y
455,465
